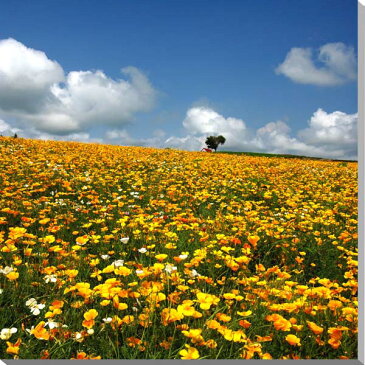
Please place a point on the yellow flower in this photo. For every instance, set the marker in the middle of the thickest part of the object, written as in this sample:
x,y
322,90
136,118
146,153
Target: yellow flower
x,y
293,340
90,314
161,257
206,300
12,275
82,240
186,308
190,354
170,315
194,334
266,356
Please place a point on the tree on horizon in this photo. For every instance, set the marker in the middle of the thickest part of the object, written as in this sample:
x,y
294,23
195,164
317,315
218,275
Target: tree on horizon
x,y
213,142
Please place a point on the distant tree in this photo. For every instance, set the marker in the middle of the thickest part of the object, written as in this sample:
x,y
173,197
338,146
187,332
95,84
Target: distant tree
x,y
15,135
214,141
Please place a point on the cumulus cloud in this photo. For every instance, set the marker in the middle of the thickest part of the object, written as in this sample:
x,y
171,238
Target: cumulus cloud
x,y
120,134
35,91
336,65
122,137
26,76
6,128
190,143
329,135
335,132
205,121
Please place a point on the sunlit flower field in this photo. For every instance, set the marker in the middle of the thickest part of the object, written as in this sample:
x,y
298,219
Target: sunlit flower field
x,y
128,252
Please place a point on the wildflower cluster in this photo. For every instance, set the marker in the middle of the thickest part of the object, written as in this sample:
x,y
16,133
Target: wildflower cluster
x,y
128,252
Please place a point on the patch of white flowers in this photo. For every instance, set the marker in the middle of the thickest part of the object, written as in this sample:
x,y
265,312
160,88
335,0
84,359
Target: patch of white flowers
x,y
6,333
35,308
118,263
50,278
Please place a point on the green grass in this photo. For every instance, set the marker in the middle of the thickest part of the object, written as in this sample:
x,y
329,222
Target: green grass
x,y
260,154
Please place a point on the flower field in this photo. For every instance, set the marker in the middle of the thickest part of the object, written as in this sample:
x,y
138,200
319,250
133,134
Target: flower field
x,y
129,252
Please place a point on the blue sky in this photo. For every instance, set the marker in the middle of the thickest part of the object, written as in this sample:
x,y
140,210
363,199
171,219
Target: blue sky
x,y
207,67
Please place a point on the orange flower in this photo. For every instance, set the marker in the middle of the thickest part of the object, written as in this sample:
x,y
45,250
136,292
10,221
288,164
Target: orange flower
x,y
40,332
133,341
317,330
83,356
334,304
212,324
282,325
82,240
335,343
13,348
223,317
56,304
244,323
253,240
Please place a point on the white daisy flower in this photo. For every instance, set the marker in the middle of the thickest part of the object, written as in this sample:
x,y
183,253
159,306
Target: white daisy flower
x,y
30,302
169,268
118,263
194,273
50,278
6,333
6,270
52,324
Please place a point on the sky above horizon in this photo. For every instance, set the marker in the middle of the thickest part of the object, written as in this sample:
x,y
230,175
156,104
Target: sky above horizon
x,y
275,76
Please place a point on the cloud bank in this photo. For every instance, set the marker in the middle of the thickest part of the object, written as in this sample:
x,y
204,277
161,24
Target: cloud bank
x,y
333,64
38,95
330,135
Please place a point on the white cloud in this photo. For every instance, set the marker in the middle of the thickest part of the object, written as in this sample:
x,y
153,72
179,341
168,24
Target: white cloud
x,y
330,135
117,134
190,143
35,92
33,133
334,132
337,65
122,137
205,121
4,127
7,129
25,76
